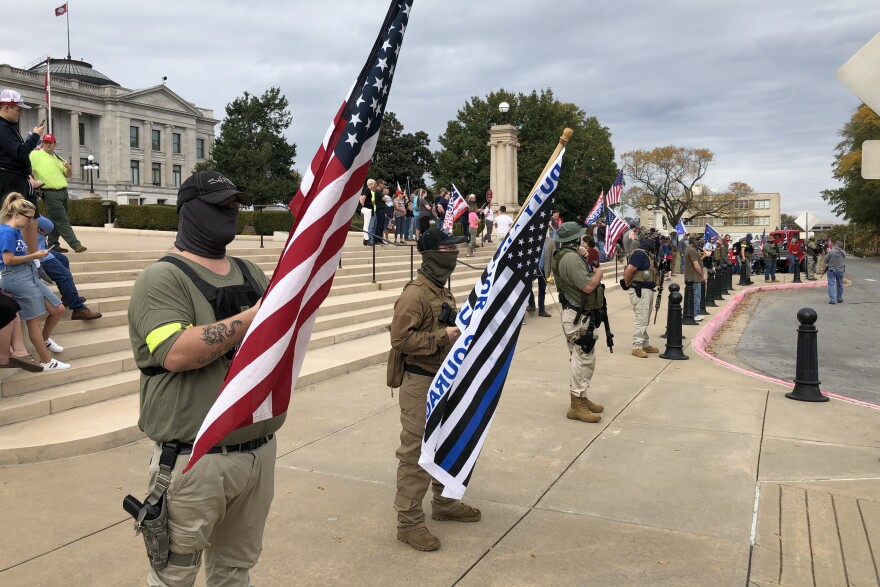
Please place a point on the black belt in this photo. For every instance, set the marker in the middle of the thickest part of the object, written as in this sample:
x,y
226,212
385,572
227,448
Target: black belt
x,y
184,449
53,189
418,371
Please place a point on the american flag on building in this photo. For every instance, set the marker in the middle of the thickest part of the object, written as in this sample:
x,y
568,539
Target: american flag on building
x,y
613,196
457,206
465,392
597,211
264,371
615,227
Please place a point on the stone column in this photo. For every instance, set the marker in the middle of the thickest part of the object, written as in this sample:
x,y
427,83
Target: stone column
x,y
169,156
658,219
147,145
74,145
503,176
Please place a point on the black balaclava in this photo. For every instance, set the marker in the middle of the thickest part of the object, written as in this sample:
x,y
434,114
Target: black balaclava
x,y
438,266
205,229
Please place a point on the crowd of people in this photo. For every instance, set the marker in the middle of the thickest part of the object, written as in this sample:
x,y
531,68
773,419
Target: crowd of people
x,y
32,256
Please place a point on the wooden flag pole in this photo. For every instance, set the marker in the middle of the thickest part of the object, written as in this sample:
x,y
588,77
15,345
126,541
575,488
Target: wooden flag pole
x,y
563,140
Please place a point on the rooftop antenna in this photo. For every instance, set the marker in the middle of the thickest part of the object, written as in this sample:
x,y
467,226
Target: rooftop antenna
x,y
164,79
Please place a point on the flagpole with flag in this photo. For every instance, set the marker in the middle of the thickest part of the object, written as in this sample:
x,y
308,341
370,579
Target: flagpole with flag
x,y
49,93
63,10
462,398
263,373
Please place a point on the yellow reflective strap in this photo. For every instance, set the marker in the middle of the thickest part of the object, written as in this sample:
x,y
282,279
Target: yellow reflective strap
x,y
159,335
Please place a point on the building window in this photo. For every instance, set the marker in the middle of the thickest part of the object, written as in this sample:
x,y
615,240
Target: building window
x,y
175,143
82,167
742,221
157,173
762,204
135,173
82,134
762,221
200,148
134,201
688,222
161,202
741,205
134,140
175,173
157,140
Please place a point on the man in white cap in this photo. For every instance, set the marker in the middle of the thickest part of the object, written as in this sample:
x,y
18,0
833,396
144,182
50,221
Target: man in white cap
x,y
15,164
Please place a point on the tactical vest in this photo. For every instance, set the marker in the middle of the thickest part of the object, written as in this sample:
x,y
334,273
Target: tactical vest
x,y
646,277
574,296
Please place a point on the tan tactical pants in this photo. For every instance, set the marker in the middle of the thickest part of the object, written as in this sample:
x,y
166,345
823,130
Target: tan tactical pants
x,y
642,307
581,365
412,479
220,506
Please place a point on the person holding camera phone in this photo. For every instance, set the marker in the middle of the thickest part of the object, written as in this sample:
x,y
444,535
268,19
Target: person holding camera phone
x,y
423,330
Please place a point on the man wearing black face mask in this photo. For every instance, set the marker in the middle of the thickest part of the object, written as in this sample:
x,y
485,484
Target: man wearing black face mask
x,y
187,314
423,330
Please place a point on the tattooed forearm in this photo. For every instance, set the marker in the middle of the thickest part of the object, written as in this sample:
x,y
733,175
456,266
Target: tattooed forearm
x,y
217,333
210,358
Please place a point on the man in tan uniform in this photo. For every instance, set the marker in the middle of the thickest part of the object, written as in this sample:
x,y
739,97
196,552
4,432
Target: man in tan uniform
x,y
423,330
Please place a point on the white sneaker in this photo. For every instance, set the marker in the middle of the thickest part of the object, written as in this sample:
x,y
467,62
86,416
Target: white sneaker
x,y
54,346
698,318
55,365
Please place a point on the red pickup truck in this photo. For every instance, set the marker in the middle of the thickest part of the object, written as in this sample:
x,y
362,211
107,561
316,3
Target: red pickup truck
x,y
781,238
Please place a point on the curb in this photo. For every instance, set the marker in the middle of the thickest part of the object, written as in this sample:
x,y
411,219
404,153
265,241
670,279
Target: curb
x,y
707,333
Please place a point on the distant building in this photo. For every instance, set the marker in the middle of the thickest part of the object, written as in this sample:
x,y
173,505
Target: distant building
x,y
751,214
146,142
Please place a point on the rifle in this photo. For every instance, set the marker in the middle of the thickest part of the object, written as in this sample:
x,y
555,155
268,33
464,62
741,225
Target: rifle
x,y
609,336
659,289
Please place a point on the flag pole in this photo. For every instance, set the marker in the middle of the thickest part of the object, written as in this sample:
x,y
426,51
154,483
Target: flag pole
x,y
49,93
563,140
67,17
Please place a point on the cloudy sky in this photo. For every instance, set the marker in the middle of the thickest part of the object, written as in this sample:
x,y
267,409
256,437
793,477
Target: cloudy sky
x,y
751,80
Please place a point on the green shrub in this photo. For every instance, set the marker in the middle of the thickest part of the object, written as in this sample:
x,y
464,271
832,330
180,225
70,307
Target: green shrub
x,y
272,221
149,217
89,212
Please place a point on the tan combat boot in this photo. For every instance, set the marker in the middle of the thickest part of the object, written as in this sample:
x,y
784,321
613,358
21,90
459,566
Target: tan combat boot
x,y
419,538
650,349
460,512
640,353
591,407
578,411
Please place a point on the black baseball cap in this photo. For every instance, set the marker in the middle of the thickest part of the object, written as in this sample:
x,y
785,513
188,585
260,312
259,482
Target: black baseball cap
x,y
211,187
434,237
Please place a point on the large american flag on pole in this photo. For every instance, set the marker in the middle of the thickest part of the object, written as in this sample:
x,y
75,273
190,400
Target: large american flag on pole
x,y
457,206
264,371
465,392
613,195
597,211
614,229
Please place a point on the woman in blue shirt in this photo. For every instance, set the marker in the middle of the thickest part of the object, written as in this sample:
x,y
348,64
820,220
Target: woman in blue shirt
x,y
18,276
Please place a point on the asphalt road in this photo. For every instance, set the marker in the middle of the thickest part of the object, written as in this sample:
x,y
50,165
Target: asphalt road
x,y
849,333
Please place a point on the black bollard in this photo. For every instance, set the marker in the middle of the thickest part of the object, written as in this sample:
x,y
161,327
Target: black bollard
x,y
673,287
728,278
710,288
806,371
719,284
703,311
674,346
797,271
687,315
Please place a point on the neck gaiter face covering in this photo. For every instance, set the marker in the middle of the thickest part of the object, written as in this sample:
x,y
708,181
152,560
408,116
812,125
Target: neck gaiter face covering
x,y
205,229
438,266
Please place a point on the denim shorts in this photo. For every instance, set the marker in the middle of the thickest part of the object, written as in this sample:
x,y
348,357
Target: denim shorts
x,y
23,282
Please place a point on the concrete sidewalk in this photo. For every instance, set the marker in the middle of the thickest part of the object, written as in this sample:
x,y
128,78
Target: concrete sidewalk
x,y
663,491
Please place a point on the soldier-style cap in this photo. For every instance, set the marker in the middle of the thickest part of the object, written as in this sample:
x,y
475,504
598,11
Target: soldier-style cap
x,y
211,187
570,231
434,237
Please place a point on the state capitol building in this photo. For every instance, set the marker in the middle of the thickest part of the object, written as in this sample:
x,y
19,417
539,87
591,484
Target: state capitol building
x,y
145,142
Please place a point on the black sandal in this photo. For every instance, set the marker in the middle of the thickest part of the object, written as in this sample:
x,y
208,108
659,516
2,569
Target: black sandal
x,y
25,362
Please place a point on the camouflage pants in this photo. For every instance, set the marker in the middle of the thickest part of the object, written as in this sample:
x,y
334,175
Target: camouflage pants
x,y
581,364
811,267
642,314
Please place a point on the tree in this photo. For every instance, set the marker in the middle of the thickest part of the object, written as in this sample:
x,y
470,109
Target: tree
x,y
252,151
400,155
669,178
858,199
587,168
787,220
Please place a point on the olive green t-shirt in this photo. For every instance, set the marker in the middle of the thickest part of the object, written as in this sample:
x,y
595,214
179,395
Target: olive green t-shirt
x,y
572,273
174,405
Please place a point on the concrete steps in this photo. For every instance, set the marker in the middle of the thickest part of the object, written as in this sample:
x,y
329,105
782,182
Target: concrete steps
x,y
94,405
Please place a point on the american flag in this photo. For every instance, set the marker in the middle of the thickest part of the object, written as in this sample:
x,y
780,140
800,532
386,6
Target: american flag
x,y
457,206
465,392
597,211
264,371
613,196
615,227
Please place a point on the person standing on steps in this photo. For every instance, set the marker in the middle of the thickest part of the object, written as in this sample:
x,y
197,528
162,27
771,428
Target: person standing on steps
x,y
53,171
